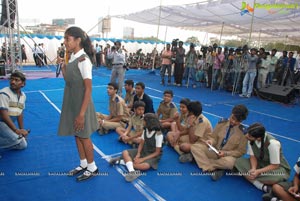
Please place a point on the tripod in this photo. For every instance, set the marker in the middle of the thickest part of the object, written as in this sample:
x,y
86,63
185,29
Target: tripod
x,y
286,72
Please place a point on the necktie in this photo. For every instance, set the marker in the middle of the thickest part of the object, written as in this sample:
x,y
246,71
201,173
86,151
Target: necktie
x,y
226,137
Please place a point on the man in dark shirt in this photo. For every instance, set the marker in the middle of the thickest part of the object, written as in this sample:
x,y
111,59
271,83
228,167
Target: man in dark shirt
x,y
140,95
288,72
179,61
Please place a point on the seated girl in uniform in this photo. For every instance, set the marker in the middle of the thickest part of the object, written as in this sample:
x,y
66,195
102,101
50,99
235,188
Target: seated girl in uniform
x,y
148,153
267,164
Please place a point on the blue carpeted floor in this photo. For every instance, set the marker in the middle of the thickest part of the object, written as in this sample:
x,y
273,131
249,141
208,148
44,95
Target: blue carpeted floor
x,y
35,173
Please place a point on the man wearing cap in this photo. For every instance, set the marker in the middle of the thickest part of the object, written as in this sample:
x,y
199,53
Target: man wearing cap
x,y
118,61
12,104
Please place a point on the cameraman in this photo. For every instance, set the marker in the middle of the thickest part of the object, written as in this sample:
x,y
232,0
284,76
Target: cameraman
x,y
179,62
118,62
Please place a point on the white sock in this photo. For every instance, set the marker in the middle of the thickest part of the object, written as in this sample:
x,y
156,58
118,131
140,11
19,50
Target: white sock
x,y
129,166
83,163
92,166
258,185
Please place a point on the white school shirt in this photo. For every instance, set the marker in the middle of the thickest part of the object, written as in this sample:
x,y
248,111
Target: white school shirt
x,y
84,66
274,150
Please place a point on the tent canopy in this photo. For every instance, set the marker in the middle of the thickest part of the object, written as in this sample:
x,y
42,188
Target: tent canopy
x,y
278,19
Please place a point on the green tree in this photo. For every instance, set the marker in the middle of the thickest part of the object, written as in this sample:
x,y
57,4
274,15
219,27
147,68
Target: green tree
x,y
193,39
152,39
281,46
235,43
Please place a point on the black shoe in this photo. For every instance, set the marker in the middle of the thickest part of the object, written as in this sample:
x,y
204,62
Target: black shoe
x,y
87,175
76,171
268,196
186,158
115,161
216,175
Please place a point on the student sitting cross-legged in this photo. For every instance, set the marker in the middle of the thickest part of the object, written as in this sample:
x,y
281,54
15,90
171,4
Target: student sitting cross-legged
x,y
166,110
179,130
134,130
229,140
148,153
266,165
199,128
118,113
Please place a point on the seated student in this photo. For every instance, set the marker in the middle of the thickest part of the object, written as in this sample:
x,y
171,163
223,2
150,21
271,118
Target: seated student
x,y
266,165
229,139
12,104
287,191
148,154
198,129
118,113
179,131
134,130
166,110
130,92
142,96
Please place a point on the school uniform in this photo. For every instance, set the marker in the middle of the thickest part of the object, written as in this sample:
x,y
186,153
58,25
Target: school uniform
x,y
153,140
167,110
224,138
117,107
78,69
272,155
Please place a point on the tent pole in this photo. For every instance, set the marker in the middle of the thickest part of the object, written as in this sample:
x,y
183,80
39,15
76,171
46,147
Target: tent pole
x,y
252,19
221,34
285,43
158,24
205,37
166,34
259,38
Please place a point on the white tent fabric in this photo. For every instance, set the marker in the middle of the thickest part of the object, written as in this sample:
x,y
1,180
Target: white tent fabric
x,y
272,18
52,43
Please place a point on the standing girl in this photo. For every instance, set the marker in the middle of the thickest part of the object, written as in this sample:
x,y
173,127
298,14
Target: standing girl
x,y
78,116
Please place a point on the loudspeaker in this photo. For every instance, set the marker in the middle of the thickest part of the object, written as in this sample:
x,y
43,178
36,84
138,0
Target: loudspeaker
x,y
284,94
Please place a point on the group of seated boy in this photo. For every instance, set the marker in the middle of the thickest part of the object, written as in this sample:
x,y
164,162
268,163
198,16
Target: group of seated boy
x,y
216,151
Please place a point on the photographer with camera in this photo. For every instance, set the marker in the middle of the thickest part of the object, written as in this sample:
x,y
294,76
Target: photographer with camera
x,y
179,63
118,63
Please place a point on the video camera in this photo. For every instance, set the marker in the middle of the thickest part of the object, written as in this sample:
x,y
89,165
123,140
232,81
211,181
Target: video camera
x,y
174,49
204,50
174,44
